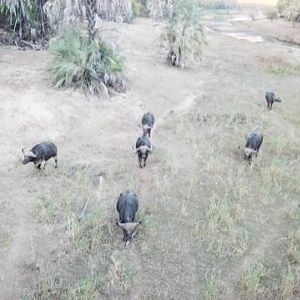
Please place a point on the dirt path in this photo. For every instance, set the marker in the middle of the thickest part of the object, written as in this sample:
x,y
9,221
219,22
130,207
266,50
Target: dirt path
x,y
14,259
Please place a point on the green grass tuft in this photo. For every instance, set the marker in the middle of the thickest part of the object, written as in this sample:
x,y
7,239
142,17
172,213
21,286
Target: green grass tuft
x,y
283,70
251,283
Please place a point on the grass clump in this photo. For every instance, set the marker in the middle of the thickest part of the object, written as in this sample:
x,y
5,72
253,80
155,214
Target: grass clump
x,y
54,286
251,283
121,271
5,237
50,288
80,63
227,236
64,203
290,279
283,70
293,252
212,290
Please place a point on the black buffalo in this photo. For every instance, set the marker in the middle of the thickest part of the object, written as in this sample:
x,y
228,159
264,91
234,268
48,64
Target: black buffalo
x,y
39,154
271,98
143,147
148,122
127,207
253,143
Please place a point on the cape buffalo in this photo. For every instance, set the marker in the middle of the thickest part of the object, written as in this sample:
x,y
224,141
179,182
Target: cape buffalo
x,y
39,154
253,143
127,207
143,147
271,98
148,123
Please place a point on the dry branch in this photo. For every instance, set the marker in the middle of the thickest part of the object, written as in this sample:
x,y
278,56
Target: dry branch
x,y
82,215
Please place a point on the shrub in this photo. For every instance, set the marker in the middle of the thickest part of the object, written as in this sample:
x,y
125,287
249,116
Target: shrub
x,y
251,283
289,9
183,35
139,8
157,9
81,63
272,14
219,4
26,17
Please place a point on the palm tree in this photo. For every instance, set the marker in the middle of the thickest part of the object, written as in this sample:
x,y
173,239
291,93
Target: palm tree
x,y
91,11
26,17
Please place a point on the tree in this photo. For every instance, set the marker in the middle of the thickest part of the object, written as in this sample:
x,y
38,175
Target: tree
x,y
183,35
290,9
26,17
272,14
83,60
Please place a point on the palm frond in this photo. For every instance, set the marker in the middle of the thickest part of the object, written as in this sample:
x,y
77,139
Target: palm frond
x,y
26,17
183,35
80,64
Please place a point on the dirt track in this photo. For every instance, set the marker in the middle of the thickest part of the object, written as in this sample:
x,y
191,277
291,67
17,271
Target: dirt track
x,y
197,103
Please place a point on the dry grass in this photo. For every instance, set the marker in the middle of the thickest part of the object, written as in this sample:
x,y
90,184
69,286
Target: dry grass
x,y
5,237
290,281
185,235
212,290
283,69
251,283
93,262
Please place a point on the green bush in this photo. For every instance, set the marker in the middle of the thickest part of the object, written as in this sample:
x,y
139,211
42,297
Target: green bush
x,y
81,63
272,14
289,9
183,35
218,4
139,8
26,17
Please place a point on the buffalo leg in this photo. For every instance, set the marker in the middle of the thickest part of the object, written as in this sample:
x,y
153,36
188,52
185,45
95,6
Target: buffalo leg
x,y
43,164
38,165
140,161
55,159
145,159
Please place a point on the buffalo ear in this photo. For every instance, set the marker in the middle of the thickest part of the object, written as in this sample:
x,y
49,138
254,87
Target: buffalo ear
x,y
134,149
23,150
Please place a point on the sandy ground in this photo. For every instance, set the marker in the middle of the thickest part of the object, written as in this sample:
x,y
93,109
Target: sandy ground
x,y
230,81
278,29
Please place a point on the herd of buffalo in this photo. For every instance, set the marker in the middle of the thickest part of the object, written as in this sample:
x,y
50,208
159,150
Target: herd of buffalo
x,y
127,204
